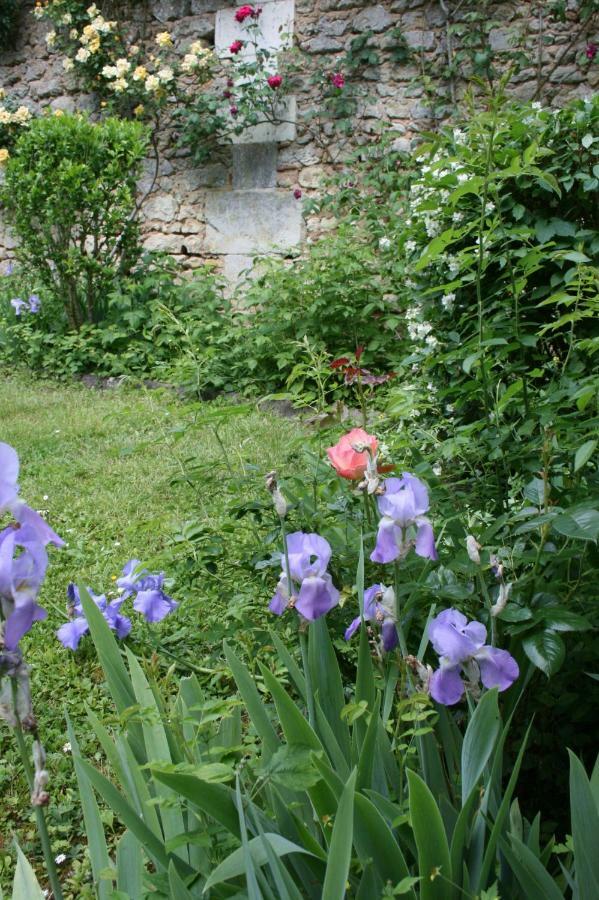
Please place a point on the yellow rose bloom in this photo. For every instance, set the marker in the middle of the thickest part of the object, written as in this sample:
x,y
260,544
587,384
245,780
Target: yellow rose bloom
x,y
4,154
163,39
140,73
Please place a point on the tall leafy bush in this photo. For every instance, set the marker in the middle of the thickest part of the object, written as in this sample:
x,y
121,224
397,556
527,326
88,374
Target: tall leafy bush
x,y
69,194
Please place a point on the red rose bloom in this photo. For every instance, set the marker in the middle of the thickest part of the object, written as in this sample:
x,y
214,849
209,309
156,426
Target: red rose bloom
x,y
275,81
233,110
245,12
591,51
297,194
235,47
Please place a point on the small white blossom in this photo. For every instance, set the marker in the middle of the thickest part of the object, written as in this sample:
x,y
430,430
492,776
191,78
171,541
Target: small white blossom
x,y
447,301
66,748
410,246
60,859
384,243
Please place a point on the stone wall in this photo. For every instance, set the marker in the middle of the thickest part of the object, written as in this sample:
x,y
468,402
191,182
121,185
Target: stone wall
x,y
234,208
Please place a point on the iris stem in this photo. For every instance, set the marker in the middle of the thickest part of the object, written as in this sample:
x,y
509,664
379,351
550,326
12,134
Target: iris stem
x,y
39,813
402,641
303,638
488,604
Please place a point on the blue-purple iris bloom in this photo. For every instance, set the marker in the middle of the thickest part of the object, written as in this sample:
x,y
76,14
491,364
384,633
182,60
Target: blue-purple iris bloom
x,y
309,556
23,558
151,600
403,524
71,632
23,564
379,607
32,304
9,498
461,648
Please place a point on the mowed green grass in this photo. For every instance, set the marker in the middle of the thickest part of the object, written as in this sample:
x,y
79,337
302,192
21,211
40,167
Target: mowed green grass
x,y
106,469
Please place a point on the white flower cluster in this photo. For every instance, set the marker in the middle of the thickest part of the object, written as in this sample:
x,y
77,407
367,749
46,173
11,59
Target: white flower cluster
x,y
197,58
20,116
420,330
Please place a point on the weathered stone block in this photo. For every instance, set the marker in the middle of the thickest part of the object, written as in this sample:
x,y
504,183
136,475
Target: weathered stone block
x,y
276,29
267,133
160,206
168,10
420,39
323,43
375,18
243,222
193,28
198,7
254,166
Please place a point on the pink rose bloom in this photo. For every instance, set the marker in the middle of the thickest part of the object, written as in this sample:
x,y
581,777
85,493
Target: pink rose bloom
x,y
591,51
297,194
346,461
275,81
338,79
236,47
233,110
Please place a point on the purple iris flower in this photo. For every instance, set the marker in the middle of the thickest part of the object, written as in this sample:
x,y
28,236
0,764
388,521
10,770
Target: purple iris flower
x,y
9,268
151,600
119,624
21,577
18,305
34,303
71,632
403,523
309,556
129,580
379,606
461,648
9,498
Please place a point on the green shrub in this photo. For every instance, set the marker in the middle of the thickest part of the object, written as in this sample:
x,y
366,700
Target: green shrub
x,y
153,326
70,197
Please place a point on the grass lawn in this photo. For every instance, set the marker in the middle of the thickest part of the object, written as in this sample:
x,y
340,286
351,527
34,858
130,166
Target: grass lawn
x,y
120,474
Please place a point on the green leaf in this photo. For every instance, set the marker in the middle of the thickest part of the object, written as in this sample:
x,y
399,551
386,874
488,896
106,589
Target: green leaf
x,y
216,800
254,703
431,841
157,750
127,815
546,650
335,879
129,865
586,140
94,830
373,839
293,767
582,524
25,885
534,878
177,889
558,619
234,866
479,741
326,679
585,831
109,654
583,454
